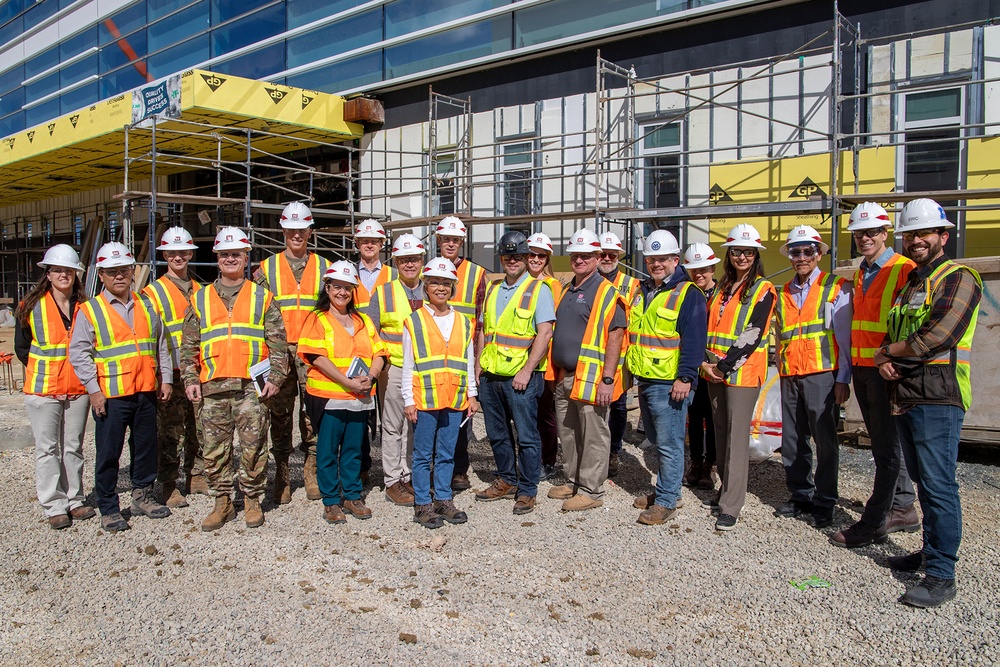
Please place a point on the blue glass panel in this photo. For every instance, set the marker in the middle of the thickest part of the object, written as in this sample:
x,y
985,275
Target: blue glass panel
x,y
79,98
120,52
11,124
41,62
42,87
41,113
301,12
406,16
248,30
12,78
122,80
341,76
565,18
258,64
78,70
181,25
179,58
77,44
159,8
224,10
471,41
357,31
11,101
123,22
9,10
11,29
39,12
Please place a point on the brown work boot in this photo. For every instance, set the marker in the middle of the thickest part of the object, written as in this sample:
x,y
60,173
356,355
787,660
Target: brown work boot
x,y
309,478
427,516
60,522
498,490
656,515
82,513
580,502
252,513
144,502
281,491
357,509
460,483
173,495
903,519
644,502
408,485
524,505
447,510
223,512
333,514
198,484
707,479
398,495
694,473
561,492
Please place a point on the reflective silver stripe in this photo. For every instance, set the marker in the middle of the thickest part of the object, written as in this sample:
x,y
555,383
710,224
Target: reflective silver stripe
x,y
389,293
468,311
50,351
589,353
511,341
101,324
391,337
38,318
260,296
419,342
647,340
164,301
271,272
798,331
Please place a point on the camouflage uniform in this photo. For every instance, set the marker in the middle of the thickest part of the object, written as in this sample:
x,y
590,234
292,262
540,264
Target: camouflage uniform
x,y
232,404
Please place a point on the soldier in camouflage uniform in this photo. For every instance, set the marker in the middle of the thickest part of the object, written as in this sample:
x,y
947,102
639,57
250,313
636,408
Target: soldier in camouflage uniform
x,y
177,430
232,325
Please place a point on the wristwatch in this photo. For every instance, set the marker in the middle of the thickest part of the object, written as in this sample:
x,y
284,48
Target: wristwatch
x,y
885,351
607,380
685,379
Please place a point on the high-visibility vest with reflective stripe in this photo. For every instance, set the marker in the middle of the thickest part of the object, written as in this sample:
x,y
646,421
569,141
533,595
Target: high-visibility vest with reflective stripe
x,y
295,299
508,339
806,344
725,326
906,318
654,350
324,336
470,275
171,305
627,286
393,309
440,370
125,356
871,307
48,372
362,297
590,366
231,342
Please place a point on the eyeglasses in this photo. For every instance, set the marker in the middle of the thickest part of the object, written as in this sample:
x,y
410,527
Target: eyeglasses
x,y
412,259
808,252
921,233
662,259
582,256
868,233
609,255
743,252
512,258
63,270
339,288
118,271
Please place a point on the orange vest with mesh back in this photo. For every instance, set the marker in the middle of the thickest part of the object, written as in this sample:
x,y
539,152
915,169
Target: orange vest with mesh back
x,y
470,276
125,356
295,299
806,344
440,369
725,326
324,336
48,372
171,305
362,297
231,344
871,307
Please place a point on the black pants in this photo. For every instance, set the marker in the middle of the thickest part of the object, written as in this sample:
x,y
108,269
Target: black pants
x,y
462,448
617,419
701,429
137,413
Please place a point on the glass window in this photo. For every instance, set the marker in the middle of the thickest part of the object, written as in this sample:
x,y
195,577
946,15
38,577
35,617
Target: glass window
x,y
11,101
443,187
123,22
44,86
77,44
661,137
258,64
301,12
224,10
341,76
156,9
661,169
123,79
39,12
79,98
179,58
339,37
11,124
9,10
565,18
12,78
11,29
248,30
517,184
78,70
933,105
471,41
118,53
41,62
406,16
42,113
181,25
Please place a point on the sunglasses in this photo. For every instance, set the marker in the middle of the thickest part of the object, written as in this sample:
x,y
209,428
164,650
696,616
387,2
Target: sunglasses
x,y
609,255
61,270
869,233
582,256
743,252
119,271
512,258
921,233
539,255
413,259
807,252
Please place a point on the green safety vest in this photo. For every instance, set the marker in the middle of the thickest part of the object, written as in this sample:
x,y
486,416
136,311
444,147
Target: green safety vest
x,y
654,348
508,339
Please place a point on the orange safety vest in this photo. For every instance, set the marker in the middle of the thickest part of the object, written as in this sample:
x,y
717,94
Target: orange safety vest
x,y
806,341
440,370
125,355
470,276
362,297
171,305
627,286
871,307
231,342
324,336
393,309
590,366
48,372
295,299
725,326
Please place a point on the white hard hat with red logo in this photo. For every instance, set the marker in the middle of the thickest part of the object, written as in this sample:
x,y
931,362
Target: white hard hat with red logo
x,y
868,215
343,271
802,235
610,241
584,240
296,216
370,229
451,226
114,254
176,238
540,241
407,245
743,236
699,255
61,255
440,267
231,238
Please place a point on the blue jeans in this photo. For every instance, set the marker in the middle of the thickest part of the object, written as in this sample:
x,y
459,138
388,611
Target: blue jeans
x,y
502,405
338,454
434,438
928,436
664,420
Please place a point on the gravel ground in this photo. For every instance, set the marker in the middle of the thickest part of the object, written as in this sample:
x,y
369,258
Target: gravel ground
x,y
547,588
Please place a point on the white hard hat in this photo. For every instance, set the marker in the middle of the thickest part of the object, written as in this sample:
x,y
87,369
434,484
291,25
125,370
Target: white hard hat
x,y
176,238
343,271
451,226
743,236
610,241
660,242
699,255
922,214
61,255
803,234
540,241
231,238
370,229
868,215
296,216
584,240
406,245
440,267
114,254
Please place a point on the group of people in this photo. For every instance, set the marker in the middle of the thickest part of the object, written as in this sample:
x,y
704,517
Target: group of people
x,y
417,349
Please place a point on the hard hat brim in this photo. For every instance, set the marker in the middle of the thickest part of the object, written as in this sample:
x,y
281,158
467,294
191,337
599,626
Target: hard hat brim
x,y
702,264
172,246
823,247
296,225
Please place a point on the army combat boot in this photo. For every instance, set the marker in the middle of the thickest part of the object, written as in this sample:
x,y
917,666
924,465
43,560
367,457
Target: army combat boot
x,y
223,512
309,477
172,495
197,484
252,513
281,493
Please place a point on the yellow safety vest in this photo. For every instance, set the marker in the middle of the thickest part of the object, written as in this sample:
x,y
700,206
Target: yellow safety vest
x,y
508,340
393,309
654,350
440,370
171,305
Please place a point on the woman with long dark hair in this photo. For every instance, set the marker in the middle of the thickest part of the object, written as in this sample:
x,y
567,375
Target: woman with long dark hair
x,y
56,401
739,315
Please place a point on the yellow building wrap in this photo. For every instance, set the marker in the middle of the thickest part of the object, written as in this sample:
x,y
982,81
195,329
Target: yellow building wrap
x,y
982,228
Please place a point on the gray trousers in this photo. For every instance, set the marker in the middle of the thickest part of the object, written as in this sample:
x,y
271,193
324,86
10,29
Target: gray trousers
x,y
397,432
808,409
892,488
586,441
732,411
59,427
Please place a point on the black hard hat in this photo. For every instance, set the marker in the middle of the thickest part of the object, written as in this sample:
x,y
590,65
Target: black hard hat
x,y
512,243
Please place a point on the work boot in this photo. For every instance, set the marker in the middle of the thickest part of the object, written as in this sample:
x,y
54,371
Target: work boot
x,y
561,492
613,464
309,478
647,501
707,479
173,495
333,514
903,519
498,490
144,502
281,491
223,512
357,509
693,474
580,503
930,592
524,505
859,535
398,495
427,517
460,483
252,513
198,484
447,510
656,515
114,523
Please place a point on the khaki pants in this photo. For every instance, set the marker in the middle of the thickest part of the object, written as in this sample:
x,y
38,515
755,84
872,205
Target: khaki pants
x,y
586,441
59,427
732,411
397,433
